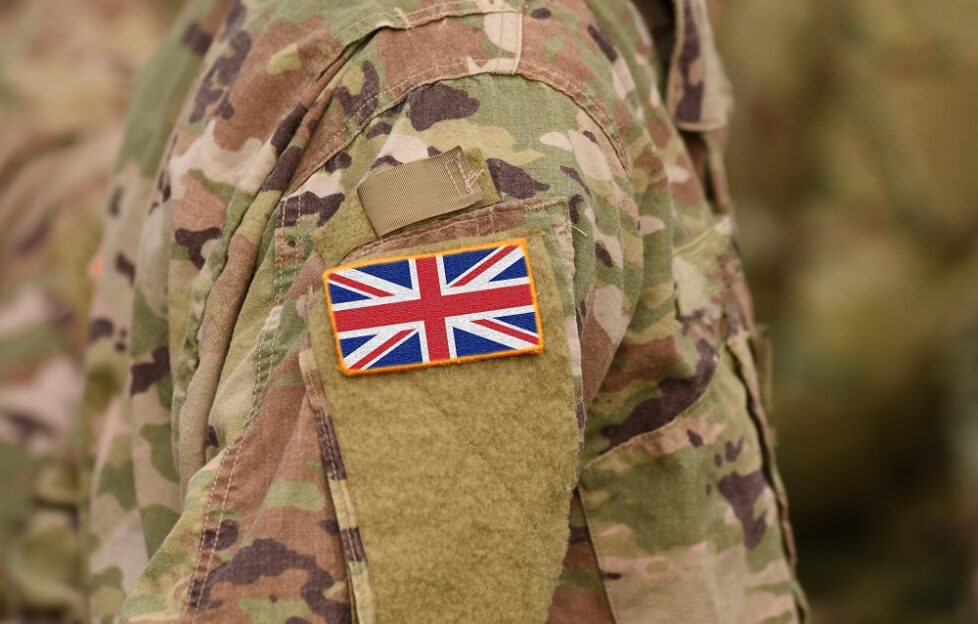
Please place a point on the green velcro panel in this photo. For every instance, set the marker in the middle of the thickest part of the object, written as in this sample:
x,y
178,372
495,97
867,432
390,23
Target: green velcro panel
x,y
461,475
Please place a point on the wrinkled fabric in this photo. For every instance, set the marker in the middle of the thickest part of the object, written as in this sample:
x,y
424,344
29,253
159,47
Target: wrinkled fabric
x,y
215,476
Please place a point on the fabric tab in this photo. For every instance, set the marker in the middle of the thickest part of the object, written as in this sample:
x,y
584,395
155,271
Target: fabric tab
x,y
419,190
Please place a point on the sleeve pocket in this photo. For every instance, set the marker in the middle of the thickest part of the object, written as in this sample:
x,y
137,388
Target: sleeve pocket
x,y
680,505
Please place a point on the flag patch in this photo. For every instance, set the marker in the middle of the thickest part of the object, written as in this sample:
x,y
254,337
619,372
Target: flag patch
x,y
439,308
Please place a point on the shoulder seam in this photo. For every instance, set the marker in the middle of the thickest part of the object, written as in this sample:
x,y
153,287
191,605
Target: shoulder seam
x,y
561,82
553,79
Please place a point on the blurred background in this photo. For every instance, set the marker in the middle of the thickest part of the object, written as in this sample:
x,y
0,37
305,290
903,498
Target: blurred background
x,y
67,68
854,160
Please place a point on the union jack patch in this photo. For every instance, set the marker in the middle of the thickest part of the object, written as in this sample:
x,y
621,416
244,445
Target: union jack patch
x,y
439,308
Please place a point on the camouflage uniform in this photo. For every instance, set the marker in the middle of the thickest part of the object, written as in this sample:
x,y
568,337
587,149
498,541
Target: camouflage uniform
x,y
65,73
237,475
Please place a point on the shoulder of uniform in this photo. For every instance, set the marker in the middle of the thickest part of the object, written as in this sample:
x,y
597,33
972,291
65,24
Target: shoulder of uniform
x,y
562,46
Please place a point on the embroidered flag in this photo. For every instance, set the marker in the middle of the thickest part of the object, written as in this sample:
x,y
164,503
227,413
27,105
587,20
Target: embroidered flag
x,y
451,306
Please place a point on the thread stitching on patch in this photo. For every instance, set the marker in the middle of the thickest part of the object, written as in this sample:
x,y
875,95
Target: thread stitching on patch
x,y
448,170
469,179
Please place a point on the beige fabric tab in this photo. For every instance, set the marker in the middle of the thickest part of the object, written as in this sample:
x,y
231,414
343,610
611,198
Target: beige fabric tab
x,y
419,190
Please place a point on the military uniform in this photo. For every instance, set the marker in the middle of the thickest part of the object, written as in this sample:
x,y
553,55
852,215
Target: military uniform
x,y
596,452
66,70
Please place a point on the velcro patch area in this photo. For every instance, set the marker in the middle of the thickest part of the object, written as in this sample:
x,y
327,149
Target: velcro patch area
x,y
424,310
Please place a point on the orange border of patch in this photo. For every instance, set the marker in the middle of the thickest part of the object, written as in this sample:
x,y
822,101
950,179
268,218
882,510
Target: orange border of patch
x,y
521,242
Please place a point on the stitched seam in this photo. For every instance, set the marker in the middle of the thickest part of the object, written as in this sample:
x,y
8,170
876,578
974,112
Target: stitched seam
x,y
563,83
451,177
405,17
519,41
329,440
200,547
470,180
260,374
235,446
345,513
560,81
499,38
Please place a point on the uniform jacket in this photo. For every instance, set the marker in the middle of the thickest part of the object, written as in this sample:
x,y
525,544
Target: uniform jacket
x,y
620,471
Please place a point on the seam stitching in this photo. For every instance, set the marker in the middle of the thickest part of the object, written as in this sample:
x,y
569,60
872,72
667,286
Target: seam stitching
x,y
470,179
236,446
406,17
559,81
451,177
563,83
200,547
260,373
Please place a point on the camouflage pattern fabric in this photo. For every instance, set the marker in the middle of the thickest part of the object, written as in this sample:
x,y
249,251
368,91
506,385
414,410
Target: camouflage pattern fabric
x,y
214,447
66,70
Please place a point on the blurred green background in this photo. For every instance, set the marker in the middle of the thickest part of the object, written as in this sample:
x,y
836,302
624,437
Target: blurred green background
x,y
854,162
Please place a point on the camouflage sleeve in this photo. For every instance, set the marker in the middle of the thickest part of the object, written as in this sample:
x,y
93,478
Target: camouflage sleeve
x,y
554,181
562,188
326,419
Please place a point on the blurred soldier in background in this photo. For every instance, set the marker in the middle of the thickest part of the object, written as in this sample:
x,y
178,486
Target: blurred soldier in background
x,y
963,418
853,161
66,70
